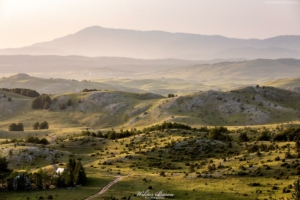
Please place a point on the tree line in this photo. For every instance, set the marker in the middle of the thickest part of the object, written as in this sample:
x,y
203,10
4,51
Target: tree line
x,y
22,91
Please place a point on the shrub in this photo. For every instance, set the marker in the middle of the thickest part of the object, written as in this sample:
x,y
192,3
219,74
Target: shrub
x,y
44,141
254,184
243,137
264,136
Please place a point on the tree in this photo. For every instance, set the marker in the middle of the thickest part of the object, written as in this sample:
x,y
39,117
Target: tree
x,y
296,194
21,182
44,125
112,135
69,174
38,182
36,126
36,103
192,168
3,165
41,102
80,176
217,133
20,127
62,106
46,105
243,137
264,136
69,102
12,127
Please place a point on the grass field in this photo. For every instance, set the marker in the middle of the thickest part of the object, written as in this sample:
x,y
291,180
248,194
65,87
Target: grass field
x,y
174,161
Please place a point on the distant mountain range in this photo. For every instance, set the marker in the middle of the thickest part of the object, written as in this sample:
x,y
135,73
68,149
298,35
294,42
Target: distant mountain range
x,y
98,41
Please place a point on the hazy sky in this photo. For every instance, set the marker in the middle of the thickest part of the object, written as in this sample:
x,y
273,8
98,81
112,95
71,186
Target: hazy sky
x,y
24,22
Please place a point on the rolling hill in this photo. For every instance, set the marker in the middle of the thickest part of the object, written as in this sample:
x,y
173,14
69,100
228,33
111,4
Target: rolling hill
x,y
155,76
98,41
105,109
245,72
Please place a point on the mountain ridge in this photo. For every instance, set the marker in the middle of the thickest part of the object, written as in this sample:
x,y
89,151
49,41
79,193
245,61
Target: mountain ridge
x,y
98,41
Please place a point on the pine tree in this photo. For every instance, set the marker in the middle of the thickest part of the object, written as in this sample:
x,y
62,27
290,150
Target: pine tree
x,y
69,178
80,176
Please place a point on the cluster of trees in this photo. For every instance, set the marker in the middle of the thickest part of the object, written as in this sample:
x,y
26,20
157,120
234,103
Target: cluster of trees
x,y
219,133
22,91
89,90
111,134
65,105
171,95
42,125
285,134
16,127
35,140
216,133
167,125
288,134
41,102
74,174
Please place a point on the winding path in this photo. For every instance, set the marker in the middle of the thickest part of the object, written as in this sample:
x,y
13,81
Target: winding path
x,y
105,188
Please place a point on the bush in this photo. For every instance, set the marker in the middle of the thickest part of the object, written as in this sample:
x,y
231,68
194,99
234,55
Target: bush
x,y
44,141
243,137
254,184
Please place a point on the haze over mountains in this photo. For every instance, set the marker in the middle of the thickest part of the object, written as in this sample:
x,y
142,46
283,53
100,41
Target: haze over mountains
x,y
97,41
64,74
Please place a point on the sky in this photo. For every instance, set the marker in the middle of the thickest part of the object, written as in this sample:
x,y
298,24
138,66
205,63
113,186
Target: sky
x,y
25,22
